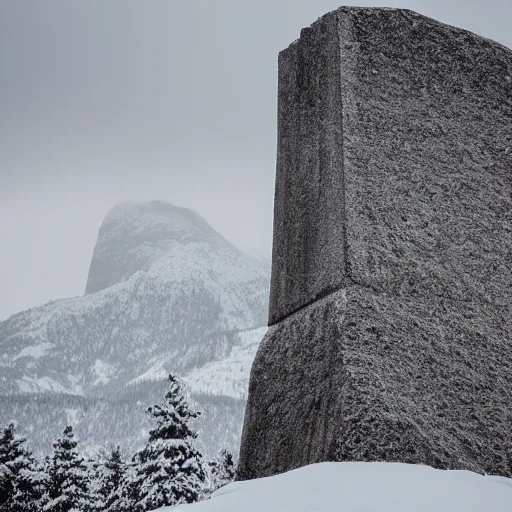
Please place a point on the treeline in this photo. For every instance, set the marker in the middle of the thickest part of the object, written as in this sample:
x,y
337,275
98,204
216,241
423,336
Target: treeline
x,y
117,419
168,470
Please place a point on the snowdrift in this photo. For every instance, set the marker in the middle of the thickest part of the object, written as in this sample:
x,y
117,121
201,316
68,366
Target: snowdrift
x,y
362,487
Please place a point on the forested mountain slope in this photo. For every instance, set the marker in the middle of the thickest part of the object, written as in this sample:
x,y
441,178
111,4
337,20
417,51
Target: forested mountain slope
x,y
165,293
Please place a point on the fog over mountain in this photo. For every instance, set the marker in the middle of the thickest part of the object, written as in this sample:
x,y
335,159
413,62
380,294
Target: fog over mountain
x,y
165,293
106,101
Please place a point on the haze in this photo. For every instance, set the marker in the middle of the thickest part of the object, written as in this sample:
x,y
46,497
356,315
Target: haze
x,y
102,101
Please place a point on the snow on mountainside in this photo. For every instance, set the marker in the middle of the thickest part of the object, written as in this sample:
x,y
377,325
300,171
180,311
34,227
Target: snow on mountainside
x,y
181,294
228,376
362,487
134,235
165,293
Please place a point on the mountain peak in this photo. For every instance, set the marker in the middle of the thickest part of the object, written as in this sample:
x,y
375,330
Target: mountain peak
x,y
134,234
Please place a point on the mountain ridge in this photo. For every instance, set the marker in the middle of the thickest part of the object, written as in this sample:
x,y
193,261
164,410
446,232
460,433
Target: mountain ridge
x,y
133,234
182,296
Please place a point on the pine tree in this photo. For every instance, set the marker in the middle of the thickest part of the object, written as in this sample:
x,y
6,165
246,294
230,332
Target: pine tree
x,y
221,470
67,475
12,454
115,468
107,476
31,490
226,473
128,493
94,471
21,480
169,470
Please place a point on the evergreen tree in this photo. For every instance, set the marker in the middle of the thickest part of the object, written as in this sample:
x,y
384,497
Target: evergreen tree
x,y
115,471
31,490
67,476
226,469
169,470
128,492
107,478
21,481
221,470
94,470
12,455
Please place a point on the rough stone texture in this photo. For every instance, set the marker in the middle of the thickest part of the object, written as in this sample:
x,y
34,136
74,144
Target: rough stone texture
x,y
309,212
391,280
361,375
394,159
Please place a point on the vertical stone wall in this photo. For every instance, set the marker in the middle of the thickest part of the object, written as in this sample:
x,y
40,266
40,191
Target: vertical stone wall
x,y
391,285
309,200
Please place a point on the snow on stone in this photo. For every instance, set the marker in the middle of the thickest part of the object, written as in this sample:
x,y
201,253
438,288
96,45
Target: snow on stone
x,y
362,487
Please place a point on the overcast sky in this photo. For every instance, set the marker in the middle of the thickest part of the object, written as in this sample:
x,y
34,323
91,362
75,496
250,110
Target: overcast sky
x,y
102,101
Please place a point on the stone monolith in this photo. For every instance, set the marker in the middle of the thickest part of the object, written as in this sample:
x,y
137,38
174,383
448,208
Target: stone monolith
x,y
390,307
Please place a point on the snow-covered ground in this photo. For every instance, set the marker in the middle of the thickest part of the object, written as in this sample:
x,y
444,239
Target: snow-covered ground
x,y
362,487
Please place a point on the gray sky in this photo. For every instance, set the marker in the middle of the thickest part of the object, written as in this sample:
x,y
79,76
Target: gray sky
x,y
102,101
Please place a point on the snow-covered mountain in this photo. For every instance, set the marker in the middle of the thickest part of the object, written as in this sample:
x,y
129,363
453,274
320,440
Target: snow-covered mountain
x,y
228,376
165,293
362,487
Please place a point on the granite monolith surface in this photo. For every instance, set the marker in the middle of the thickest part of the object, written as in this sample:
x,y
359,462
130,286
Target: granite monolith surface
x,y
390,326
